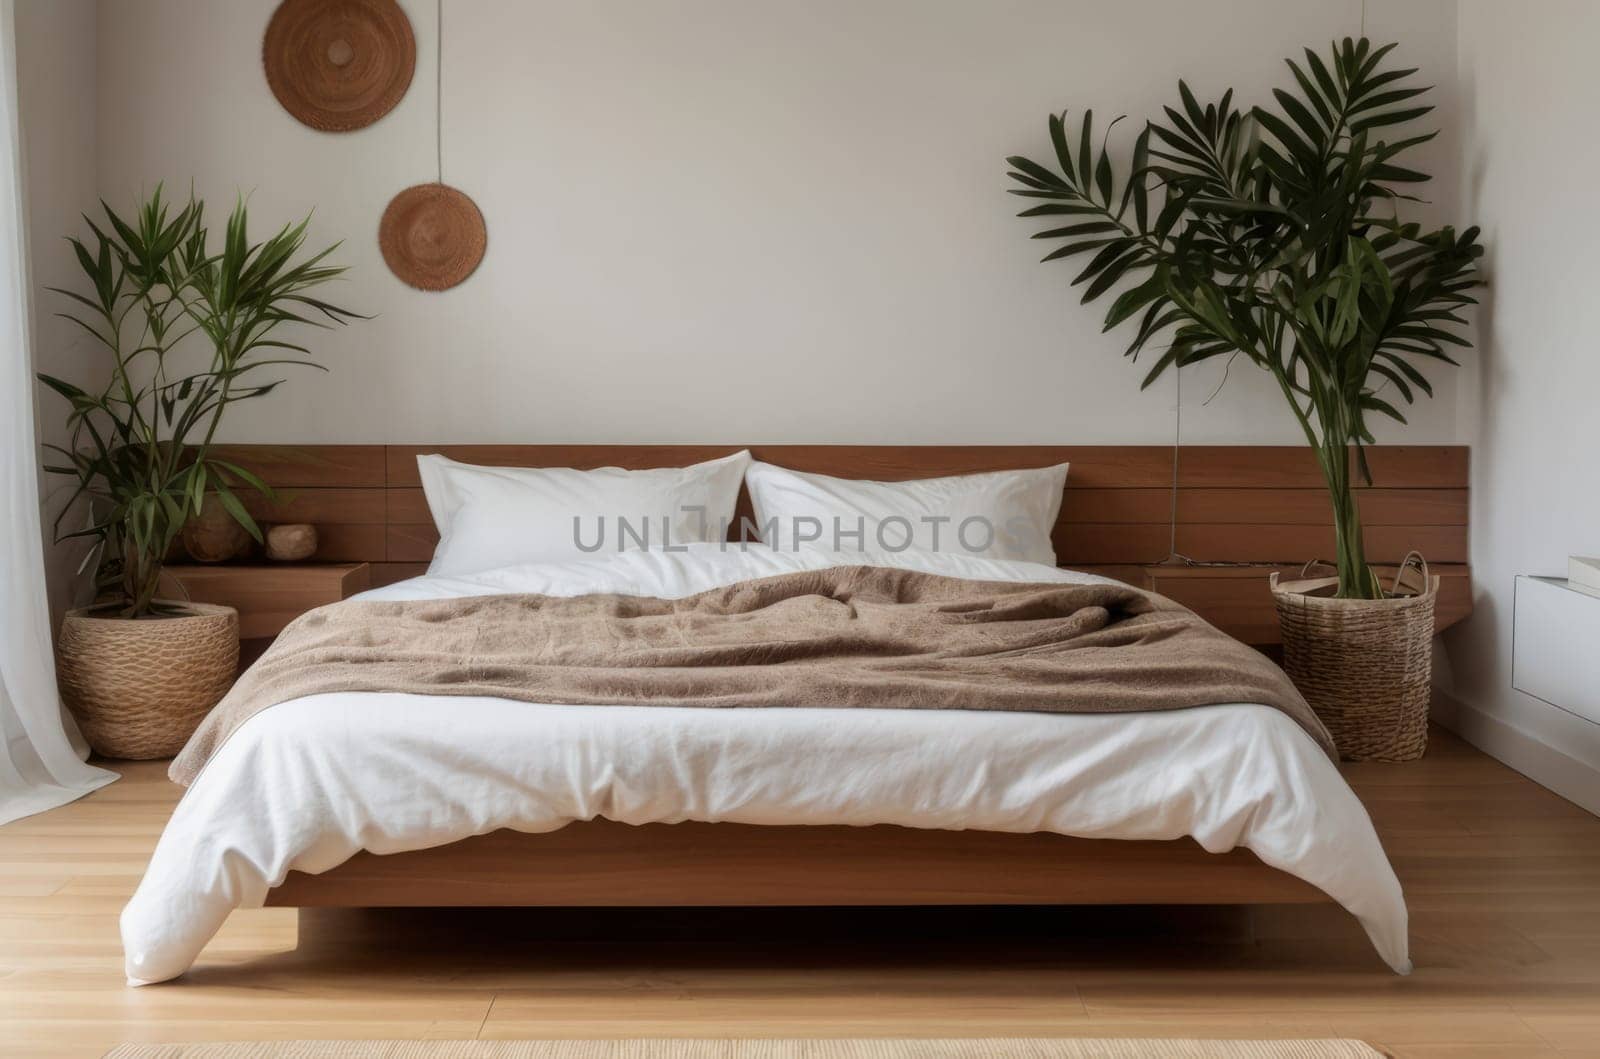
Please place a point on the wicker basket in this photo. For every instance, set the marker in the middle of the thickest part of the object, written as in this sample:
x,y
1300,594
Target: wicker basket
x,y
1364,665
140,687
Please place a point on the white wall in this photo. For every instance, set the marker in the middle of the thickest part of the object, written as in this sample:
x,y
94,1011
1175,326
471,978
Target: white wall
x,y
1528,160
56,93
717,220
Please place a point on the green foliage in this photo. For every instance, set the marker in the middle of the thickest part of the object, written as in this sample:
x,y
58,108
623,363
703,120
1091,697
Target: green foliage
x,y
1274,235
140,448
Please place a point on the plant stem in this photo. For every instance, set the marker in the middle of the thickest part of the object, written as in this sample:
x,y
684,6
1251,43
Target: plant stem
x,y
1356,579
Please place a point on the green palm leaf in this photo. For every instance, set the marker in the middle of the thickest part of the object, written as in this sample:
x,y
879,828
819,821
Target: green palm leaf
x,y
1269,233
139,449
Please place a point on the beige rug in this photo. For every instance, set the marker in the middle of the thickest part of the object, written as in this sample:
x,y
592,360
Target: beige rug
x,y
671,1048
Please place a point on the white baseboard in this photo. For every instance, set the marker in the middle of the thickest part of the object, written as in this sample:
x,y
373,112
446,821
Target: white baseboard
x,y
1576,781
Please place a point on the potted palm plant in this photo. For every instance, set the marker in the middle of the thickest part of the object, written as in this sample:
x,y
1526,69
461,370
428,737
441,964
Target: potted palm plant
x,y
139,671
1275,235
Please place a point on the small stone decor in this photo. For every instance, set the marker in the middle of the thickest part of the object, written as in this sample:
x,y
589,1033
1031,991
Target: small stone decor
x,y
291,542
214,536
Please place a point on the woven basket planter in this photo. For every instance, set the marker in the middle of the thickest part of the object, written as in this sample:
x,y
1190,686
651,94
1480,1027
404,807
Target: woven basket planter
x,y
140,687
1364,665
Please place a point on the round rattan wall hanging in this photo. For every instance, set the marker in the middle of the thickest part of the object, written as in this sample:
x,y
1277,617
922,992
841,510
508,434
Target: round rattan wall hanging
x,y
338,65
432,236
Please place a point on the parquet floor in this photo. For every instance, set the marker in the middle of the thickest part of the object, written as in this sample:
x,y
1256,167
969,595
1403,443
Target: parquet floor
x,y
1503,880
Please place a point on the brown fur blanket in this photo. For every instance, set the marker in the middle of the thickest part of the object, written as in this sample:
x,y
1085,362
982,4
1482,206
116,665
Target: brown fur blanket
x,y
850,636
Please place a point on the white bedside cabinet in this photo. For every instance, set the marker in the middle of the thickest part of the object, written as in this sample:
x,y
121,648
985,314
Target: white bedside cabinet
x,y
1555,645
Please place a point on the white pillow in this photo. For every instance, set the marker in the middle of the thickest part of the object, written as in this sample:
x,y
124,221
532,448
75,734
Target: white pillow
x,y
1002,515
499,516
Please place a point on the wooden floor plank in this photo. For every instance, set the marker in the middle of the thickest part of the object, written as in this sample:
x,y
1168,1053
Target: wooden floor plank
x,y
1503,880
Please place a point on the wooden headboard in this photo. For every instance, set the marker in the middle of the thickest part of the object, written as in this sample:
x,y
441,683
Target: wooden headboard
x,y
1259,505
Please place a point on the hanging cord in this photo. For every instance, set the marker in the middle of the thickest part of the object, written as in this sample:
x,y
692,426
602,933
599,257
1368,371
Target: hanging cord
x,y
1174,556
438,86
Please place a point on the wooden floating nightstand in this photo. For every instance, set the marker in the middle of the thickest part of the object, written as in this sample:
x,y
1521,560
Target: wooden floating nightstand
x,y
1237,599
268,596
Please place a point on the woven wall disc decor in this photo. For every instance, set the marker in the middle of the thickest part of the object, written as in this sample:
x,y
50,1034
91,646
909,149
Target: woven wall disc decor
x,y
432,236
338,65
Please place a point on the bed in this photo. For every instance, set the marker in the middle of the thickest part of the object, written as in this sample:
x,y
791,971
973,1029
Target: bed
x,y
396,799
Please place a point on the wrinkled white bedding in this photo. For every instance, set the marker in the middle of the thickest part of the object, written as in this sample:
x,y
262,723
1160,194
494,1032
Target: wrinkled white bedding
x,y
306,784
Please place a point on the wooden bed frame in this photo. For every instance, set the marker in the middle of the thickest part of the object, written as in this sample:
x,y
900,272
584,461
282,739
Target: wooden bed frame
x,y
1254,508
601,864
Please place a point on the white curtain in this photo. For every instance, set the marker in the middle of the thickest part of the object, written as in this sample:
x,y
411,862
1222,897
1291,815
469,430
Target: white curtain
x,y
41,757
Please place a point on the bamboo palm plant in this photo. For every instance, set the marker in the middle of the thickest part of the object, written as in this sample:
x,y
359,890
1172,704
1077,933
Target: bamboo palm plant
x,y
141,446
1275,235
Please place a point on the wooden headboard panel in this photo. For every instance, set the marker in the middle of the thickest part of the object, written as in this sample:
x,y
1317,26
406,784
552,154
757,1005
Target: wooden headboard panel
x,y
1260,505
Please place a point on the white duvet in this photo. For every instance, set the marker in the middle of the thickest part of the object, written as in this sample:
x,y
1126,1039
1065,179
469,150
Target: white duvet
x,y
306,784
